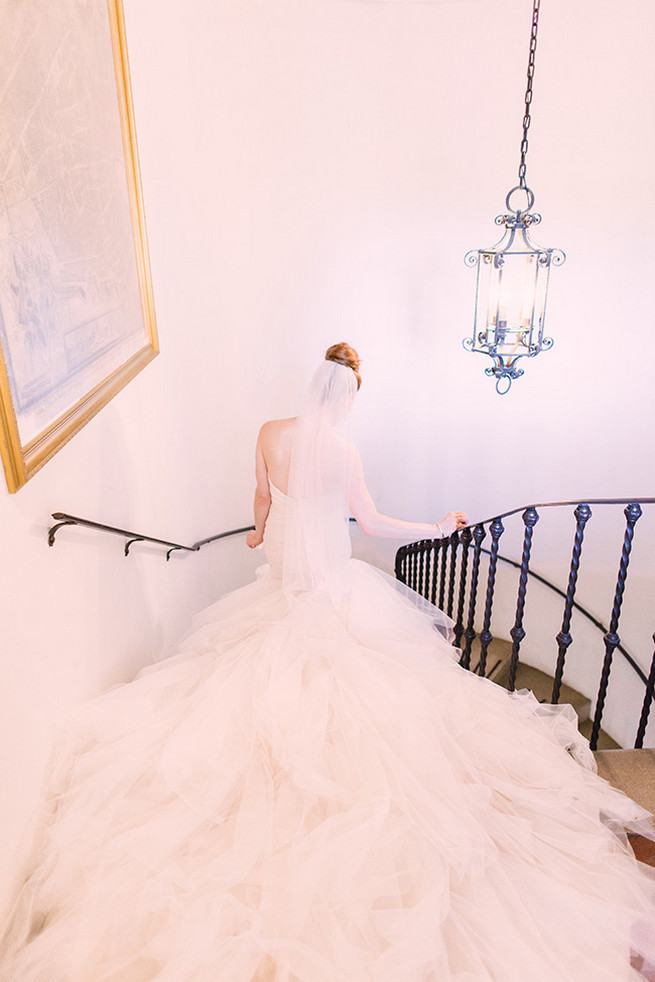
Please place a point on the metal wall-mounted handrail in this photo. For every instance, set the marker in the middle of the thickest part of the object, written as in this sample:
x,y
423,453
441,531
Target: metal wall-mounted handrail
x,y
62,519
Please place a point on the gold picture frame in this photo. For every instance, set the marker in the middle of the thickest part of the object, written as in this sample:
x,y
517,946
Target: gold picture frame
x,y
77,317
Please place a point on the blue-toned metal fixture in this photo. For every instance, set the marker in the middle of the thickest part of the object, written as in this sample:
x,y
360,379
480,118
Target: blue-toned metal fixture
x,y
513,275
511,292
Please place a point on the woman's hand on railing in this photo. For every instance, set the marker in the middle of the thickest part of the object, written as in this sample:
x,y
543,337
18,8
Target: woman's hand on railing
x,y
254,539
453,521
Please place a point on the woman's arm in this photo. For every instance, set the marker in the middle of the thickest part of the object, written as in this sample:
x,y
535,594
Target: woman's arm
x,y
372,522
262,502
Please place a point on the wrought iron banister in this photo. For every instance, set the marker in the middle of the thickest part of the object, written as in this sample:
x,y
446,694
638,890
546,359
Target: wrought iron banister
x,y
423,565
575,606
63,519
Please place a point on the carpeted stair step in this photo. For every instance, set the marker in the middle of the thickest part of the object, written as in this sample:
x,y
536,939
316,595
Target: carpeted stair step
x,y
631,771
540,683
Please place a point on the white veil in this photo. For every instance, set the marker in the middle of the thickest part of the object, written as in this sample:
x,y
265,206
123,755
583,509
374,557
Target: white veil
x,y
317,539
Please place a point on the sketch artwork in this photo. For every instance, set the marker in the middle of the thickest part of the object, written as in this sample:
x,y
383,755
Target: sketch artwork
x,y
71,308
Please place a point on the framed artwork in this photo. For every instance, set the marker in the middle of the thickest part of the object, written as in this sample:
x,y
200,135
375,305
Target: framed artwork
x,y
77,318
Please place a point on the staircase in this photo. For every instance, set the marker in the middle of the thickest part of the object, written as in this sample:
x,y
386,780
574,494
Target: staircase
x,y
447,572
631,771
538,682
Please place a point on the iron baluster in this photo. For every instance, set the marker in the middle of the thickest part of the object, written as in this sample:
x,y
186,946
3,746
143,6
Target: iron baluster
x,y
465,539
611,639
400,564
582,515
434,562
430,595
425,548
648,699
422,582
429,575
436,553
517,633
443,549
453,569
479,533
497,529
411,562
426,567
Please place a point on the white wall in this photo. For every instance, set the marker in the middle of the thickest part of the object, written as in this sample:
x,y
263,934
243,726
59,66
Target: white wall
x,y
314,170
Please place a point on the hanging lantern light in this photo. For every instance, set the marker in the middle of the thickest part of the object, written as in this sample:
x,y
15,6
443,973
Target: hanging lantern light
x,y
512,281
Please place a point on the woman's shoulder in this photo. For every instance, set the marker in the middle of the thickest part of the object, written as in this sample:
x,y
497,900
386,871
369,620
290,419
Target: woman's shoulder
x,y
276,427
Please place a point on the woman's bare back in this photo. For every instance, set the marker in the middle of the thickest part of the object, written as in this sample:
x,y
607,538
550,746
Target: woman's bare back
x,y
273,457
274,444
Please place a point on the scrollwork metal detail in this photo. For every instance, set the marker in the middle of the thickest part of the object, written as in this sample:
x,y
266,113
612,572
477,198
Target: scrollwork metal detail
x,y
504,375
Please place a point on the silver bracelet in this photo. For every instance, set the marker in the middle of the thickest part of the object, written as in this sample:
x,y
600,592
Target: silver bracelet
x,y
440,529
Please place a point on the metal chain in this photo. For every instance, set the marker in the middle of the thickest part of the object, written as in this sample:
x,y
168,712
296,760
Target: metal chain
x,y
528,93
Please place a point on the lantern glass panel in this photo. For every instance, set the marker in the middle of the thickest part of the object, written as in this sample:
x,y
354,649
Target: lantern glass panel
x,y
517,274
543,275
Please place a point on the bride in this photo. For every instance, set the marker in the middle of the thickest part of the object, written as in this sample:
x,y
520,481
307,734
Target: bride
x,y
312,789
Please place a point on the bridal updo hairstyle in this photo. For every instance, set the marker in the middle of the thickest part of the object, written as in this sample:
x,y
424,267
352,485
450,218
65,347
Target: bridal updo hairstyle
x,y
343,354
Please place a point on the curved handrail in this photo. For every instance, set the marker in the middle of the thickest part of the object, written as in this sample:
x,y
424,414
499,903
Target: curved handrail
x,y
559,504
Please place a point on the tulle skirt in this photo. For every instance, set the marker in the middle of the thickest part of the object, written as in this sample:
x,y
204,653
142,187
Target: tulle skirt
x,y
319,793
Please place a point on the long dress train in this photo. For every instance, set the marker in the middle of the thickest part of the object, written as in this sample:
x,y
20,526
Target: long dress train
x,y
317,792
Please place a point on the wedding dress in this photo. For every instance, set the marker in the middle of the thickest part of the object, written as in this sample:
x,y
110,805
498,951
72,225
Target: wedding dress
x,y
313,790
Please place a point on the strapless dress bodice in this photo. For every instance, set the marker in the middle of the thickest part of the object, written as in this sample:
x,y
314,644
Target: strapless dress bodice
x,y
274,531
